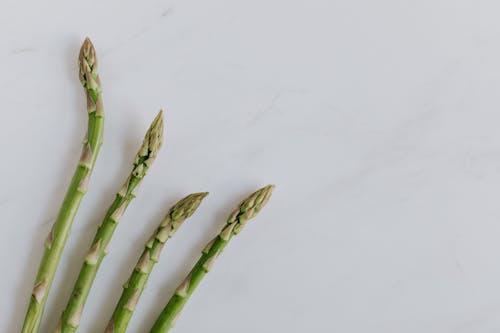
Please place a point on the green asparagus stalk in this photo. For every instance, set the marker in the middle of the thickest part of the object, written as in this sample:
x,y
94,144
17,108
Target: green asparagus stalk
x,y
70,319
56,240
136,283
235,223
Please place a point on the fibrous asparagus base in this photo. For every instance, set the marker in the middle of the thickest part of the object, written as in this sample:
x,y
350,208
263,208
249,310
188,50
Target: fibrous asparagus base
x,y
136,283
70,319
56,240
235,223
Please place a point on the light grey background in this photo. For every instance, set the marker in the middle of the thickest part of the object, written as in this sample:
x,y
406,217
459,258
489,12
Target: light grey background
x,y
377,120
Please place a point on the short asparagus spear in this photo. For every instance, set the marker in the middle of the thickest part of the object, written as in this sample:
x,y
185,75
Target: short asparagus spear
x,y
235,223
135,285
152,142
56,240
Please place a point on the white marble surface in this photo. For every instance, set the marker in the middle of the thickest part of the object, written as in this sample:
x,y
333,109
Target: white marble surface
x,y
378,121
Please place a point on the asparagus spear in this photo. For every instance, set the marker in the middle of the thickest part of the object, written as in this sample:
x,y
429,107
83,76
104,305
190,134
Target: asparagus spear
x,y
152,142
135,285
235,223
56,240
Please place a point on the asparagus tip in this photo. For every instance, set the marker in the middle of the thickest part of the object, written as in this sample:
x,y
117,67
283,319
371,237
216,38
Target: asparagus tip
x,y
151,145
87,57
254,203
89,76
154,136
187,206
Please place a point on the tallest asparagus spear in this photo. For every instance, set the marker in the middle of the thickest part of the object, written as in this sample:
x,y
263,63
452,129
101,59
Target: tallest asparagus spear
x,y
57,237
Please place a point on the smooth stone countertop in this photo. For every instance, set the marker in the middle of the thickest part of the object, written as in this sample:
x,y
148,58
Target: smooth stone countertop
x,y
378,121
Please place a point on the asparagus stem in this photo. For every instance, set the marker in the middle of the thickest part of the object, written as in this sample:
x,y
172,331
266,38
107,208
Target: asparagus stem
x,y
152,142
235,223
56,240
136,283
